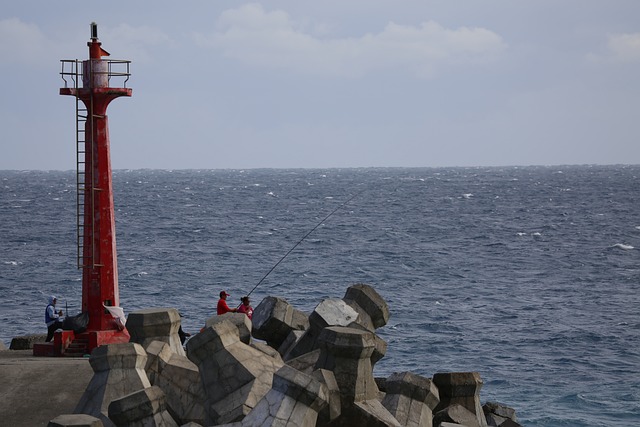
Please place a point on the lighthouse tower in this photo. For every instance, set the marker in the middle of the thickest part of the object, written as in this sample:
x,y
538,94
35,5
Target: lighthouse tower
x,y
95,83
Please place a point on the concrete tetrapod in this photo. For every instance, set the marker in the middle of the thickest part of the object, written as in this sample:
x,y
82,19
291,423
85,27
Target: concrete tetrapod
x,y
143,408
227,377
235,376
347,352
274,319
118,371
411,399
155,324
460,388
180,380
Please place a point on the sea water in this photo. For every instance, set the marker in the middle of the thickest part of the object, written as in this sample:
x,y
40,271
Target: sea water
x,y
528,275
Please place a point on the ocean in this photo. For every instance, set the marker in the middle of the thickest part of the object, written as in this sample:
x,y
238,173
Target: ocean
x,y
528,275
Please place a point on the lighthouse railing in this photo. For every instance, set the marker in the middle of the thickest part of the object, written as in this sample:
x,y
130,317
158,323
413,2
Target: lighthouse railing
x,y
115,71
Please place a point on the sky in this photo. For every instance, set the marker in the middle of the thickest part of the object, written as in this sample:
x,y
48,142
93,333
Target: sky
x,y
331,84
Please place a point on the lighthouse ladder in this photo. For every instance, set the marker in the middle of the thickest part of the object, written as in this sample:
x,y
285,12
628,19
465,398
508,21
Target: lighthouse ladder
x,y
84,195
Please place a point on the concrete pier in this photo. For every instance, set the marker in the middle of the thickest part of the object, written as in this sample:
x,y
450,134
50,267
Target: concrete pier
x,y
35,390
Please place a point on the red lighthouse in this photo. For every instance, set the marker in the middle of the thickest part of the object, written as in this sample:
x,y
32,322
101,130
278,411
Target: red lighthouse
x,y
95,83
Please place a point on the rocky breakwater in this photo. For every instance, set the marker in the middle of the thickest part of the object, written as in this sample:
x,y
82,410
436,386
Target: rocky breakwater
x,y
314,370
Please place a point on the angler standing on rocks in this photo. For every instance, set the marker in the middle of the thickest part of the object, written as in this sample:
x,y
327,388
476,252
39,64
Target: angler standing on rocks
x,y
245,307
222,304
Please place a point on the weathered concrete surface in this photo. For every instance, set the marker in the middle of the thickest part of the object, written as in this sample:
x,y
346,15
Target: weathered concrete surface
x,y
379,350
274,318
333,409
369,413
157,352
411,399
35,390
242,322
155,324
500,415
144,408
456,414
362,307
292,339
294,400
75,420
347,352
179,378
118,371
305,363
266,349
373,310
26,342
235,376
460,388
330,312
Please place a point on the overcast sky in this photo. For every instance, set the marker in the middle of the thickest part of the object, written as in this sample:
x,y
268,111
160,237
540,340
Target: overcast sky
x,y
332,83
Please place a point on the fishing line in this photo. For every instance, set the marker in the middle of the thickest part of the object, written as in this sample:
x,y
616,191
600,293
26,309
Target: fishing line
x,y
304,237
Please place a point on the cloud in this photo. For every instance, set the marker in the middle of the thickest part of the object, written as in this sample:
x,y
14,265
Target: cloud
x,y
26,44
127,41
620,48
625,47
21,43
272,39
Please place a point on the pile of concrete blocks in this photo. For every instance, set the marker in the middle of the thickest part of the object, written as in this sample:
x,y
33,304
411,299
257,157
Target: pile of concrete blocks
x,y
26,342
314,370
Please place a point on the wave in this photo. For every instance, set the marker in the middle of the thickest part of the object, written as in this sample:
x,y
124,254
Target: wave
x,y
623,246
467,291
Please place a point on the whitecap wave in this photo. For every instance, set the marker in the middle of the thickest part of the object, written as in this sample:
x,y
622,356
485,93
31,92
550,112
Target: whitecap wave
x,y
623,246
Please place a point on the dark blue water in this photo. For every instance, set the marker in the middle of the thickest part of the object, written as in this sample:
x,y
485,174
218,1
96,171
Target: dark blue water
x,y
528,275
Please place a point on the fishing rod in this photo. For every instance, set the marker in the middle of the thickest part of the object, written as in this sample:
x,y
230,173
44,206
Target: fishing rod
x,y
304,237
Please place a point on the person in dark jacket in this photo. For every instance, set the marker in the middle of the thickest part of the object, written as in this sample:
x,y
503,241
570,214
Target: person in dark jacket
x,y
52,318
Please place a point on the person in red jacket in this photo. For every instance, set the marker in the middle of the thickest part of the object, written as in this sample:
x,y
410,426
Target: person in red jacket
x,y
245,307
222,304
